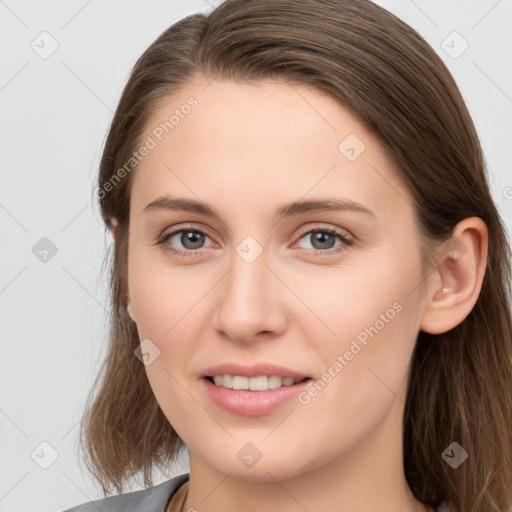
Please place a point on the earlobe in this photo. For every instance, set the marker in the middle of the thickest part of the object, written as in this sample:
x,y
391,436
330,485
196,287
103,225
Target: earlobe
x,y
130,310
113,226
461,266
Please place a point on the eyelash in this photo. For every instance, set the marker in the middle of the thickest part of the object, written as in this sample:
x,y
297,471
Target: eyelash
x,y
317,229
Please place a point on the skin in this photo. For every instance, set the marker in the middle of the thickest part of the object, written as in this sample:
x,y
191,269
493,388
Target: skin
x,y
246,150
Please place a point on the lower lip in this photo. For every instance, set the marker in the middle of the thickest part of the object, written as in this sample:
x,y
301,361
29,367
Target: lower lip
x,y
252,403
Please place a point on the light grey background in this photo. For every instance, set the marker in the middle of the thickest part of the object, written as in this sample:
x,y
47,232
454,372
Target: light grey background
x,y
55,112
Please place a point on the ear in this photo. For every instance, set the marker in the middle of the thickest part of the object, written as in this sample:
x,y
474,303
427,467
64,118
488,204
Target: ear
x,y
460,267
113,223
130,310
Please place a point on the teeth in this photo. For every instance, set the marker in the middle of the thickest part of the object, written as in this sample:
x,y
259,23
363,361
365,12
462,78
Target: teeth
x,y
261,383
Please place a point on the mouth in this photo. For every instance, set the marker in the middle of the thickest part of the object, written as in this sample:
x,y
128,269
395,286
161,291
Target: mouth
x,y
241,401
261,383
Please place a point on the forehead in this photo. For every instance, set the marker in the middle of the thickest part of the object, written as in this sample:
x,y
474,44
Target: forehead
x,y
221,138
251,115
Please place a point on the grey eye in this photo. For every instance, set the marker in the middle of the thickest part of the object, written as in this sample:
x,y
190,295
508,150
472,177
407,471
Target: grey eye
x,y
188,238
322,239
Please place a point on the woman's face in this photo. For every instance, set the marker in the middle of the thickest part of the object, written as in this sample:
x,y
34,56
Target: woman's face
x,y
328,293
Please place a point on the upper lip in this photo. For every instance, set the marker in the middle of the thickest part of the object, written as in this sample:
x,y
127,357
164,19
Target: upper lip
x,y
254,370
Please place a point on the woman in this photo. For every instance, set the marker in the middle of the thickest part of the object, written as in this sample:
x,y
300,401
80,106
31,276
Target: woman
x,y
310,280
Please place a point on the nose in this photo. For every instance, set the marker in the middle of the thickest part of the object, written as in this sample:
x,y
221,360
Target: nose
x,y
251,301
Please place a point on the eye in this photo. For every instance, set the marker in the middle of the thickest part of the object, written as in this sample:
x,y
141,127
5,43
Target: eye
x,y
189,238
322,240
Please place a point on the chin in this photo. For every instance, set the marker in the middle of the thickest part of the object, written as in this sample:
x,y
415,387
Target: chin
x,y
267,469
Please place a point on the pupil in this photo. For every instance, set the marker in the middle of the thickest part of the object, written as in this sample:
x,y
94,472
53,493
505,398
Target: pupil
x,y
320,237
191,239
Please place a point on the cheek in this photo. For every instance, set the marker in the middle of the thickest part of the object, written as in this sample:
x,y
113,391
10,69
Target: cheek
x,y
344,302
364,377
376,320
162,297
166,305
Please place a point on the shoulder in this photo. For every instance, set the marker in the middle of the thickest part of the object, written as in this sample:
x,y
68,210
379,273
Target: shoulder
x,y
153,499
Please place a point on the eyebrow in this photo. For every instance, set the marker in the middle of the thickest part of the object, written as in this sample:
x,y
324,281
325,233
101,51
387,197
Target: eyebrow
x,y
287,210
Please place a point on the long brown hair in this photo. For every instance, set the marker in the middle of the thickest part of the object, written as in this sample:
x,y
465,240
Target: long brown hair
x,y
460,384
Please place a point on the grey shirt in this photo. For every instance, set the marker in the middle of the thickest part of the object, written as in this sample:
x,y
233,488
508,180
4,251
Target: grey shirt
x,y
153,499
